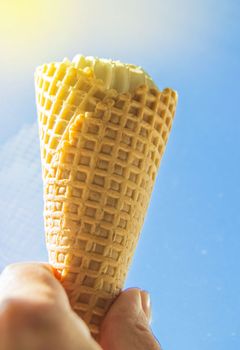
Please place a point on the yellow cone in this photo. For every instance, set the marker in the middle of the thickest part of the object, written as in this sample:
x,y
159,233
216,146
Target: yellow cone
x,y
103,129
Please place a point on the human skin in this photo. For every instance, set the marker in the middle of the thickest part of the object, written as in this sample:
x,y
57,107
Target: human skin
x,y
35,314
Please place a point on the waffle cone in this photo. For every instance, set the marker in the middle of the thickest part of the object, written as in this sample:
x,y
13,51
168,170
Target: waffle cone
x,y
100,154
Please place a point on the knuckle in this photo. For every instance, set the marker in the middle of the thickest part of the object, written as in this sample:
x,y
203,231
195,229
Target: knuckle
x,y
33,269
10,310
144,332
32,272
8,305
17,314
22,323
10,268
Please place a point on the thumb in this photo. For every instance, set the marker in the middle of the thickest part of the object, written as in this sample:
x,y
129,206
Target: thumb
x,y
126,326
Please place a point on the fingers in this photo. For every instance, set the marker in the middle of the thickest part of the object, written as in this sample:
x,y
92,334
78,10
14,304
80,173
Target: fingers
x,y
29,293
34,307
126,325
32,282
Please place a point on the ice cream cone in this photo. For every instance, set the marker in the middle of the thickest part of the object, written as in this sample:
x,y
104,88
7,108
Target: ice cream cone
x,y
101,151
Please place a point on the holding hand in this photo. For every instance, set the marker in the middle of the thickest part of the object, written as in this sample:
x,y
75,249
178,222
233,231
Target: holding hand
x,y
35,314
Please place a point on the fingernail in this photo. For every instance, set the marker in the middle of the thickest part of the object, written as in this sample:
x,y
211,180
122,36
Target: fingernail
x,y
57,273
146,305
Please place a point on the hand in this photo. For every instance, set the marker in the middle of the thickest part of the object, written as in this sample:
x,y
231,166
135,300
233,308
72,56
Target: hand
x,y
35,314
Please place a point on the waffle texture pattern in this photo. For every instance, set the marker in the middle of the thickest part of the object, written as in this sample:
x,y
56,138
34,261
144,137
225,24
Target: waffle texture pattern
x,y
100,152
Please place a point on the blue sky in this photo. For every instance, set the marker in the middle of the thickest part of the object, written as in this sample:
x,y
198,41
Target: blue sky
x,y
188,255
